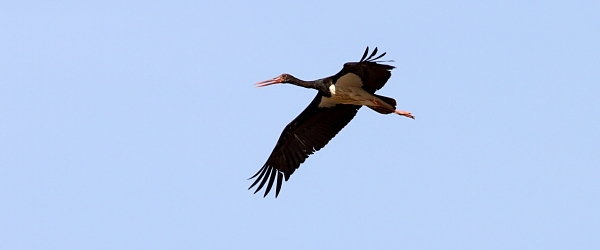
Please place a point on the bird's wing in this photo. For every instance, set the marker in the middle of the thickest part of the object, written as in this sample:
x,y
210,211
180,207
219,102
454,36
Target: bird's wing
x,y
306,134
372,73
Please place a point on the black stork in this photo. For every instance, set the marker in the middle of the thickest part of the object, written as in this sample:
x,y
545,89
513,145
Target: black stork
x,y
338,99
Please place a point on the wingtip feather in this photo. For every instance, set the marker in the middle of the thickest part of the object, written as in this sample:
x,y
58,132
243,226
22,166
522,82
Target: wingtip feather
x,y
271,179
372,54
365,54
279,181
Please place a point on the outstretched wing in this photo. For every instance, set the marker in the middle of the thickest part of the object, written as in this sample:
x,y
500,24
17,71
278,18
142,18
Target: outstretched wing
x,y
306,134
372,73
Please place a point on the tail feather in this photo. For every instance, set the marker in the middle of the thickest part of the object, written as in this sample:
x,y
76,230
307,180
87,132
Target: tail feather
x,y
383,110
380,110
388,100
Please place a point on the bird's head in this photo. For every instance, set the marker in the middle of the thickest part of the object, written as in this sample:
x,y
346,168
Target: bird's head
x,y
283,78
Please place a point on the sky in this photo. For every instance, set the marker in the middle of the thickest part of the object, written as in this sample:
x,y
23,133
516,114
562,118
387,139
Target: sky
x,y
135,125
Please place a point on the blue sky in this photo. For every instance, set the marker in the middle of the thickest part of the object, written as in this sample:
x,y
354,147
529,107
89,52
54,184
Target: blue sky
x,y
135,124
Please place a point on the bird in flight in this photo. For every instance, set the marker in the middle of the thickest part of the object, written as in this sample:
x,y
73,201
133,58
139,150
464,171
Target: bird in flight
x,y
338,99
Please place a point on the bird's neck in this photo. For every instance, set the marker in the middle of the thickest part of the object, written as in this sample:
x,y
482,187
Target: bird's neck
x,y
321,85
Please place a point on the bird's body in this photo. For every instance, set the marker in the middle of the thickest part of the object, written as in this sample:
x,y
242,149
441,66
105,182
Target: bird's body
x,y
348,90
338,99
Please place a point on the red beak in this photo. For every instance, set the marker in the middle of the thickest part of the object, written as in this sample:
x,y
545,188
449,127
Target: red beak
x,y
275,80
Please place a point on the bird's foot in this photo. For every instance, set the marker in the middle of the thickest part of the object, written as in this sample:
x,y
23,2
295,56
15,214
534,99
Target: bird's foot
x,y
404,113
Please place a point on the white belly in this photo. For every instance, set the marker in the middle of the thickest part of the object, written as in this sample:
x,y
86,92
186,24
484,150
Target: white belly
x,y
348,90
351,95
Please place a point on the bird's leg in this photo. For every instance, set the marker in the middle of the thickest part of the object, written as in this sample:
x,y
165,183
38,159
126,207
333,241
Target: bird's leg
x,y
403,113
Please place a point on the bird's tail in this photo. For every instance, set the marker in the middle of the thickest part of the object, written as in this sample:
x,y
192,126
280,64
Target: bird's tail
x,y
387,100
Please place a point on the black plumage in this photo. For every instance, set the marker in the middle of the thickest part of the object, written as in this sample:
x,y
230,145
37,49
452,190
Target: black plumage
x,y
324,117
